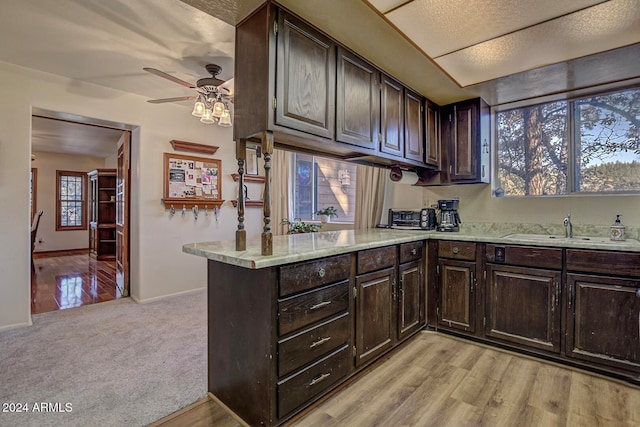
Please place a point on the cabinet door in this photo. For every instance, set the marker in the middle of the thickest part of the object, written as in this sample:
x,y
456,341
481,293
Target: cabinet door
x,y
375,314
603,316
457,302
392,117
463,151
523,306
432,134
410,299
305,78
358,101
414,129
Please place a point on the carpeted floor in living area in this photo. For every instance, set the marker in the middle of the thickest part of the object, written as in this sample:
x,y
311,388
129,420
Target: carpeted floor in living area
x,y
116,363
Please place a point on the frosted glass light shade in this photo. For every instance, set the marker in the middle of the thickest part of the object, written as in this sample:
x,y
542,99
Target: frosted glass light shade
x,y
218,109
206,117
198,109
225,119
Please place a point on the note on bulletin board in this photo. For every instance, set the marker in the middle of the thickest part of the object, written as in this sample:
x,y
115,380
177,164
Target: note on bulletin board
x,y
191,181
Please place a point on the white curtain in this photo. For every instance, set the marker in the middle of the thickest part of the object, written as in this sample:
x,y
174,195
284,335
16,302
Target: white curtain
x,y
280,189
370,183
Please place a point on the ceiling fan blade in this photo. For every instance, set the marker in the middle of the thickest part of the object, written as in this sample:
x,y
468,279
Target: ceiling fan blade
x,y
169,77
227,85
180,98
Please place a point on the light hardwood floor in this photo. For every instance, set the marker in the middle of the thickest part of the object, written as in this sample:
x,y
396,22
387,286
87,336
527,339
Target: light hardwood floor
x,y
437,380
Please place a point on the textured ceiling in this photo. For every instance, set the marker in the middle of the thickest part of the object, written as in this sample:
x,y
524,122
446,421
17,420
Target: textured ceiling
x,y
475,41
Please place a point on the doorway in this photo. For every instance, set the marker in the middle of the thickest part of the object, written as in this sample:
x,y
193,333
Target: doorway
x,y
81,248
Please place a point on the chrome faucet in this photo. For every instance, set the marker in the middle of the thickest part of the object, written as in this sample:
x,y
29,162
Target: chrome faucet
x,y
568,228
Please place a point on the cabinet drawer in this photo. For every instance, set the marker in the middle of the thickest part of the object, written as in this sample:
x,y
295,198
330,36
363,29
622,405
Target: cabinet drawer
x,y
308,345
411,251
613,263
526,256
307,275
376,259
302,310
457,250
309,383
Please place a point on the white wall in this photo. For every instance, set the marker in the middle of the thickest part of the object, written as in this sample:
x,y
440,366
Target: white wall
x,y
47,164
158,266
477,205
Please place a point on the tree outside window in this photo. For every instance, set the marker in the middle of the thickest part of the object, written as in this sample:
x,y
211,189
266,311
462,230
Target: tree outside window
x,y
71,212
590,144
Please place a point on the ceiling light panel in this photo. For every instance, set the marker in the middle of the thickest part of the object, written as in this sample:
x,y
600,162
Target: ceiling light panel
x,y
440,27
596,29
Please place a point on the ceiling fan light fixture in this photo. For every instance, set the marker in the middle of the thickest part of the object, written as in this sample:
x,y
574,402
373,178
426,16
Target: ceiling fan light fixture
x,y
207,117
225,119
218,108
198,108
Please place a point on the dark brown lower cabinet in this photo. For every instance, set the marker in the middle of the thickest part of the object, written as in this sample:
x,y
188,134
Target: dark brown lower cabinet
x,y
457,299
603,321
522,306
375,307
410,299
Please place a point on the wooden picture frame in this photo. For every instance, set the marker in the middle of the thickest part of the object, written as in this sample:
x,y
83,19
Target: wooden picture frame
x,y
191,181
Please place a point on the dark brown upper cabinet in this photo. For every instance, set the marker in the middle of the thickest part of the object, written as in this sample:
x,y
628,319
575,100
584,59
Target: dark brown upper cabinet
x,y
357,101
305,85
413,127
432,134
392,120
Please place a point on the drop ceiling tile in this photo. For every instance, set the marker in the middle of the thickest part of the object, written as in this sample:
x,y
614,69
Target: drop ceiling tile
x,y
597,29
385,5
440,27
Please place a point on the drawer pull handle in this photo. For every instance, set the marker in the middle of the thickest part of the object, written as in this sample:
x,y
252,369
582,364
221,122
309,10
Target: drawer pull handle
x,y
321,272
319,379
319,305
638,292
319,342
414,251
455,250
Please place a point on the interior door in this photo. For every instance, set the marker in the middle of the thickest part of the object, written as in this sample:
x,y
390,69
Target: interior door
x,y
122,214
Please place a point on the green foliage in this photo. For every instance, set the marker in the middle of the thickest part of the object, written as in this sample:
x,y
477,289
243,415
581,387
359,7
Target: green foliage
x,y
328,211
298,226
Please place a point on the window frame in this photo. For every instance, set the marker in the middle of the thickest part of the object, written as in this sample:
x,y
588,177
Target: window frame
x,y
83,176
569,98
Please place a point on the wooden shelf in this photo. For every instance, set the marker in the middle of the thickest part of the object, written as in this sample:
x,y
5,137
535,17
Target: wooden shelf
x,y
248,178
249,203
192,147
189,203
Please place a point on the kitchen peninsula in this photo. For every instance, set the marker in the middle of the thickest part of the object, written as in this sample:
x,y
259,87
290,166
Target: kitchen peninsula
x,y
286,329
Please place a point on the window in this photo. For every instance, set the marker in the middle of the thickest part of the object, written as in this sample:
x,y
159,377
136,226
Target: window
x,y
321,182
586,145
71,200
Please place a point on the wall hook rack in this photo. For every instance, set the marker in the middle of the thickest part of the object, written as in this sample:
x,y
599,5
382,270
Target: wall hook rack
x,y
195,210
172,211
184,210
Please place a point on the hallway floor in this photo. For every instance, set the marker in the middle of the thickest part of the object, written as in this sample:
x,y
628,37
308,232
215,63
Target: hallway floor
x,y
71,279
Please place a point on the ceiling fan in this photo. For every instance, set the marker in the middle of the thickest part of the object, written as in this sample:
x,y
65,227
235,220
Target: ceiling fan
x,y
212,98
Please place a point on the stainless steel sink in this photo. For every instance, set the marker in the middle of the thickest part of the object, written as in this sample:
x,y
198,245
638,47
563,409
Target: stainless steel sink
x,y
575,239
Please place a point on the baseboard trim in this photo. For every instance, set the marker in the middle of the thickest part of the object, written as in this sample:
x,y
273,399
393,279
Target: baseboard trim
x,y
228,410
16,325
148,300
60,252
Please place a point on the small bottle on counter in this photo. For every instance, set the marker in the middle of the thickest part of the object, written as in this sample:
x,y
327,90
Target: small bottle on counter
x,y
617,230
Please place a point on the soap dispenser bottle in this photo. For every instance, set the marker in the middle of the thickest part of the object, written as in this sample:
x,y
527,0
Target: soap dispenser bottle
x,y
617,230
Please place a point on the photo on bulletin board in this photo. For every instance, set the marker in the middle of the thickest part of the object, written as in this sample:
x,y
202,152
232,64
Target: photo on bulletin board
x,y
191,181
251,167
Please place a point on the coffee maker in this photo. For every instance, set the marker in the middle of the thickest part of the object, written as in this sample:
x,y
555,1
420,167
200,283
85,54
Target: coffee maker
x,y
449,217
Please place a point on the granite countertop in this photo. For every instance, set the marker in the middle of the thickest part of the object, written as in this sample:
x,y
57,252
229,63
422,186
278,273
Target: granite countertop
x,y
302,247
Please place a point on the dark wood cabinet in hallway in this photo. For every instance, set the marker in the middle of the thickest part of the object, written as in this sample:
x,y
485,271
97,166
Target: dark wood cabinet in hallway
x,y
71,279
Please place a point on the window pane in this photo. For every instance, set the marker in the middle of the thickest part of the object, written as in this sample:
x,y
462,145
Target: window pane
x,y
607,142
321,182
533,150
71,201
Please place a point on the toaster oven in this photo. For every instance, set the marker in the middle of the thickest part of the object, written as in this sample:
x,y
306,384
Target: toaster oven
x,y
412,219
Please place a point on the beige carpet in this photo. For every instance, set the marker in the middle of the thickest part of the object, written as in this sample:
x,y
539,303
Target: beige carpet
x,y
116,363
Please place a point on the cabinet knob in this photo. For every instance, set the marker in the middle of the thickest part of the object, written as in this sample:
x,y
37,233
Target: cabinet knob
x,y
638,292
455,250
321,272
414,251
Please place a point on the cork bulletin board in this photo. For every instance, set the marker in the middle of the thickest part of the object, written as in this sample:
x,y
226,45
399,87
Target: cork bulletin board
x,y
191,181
